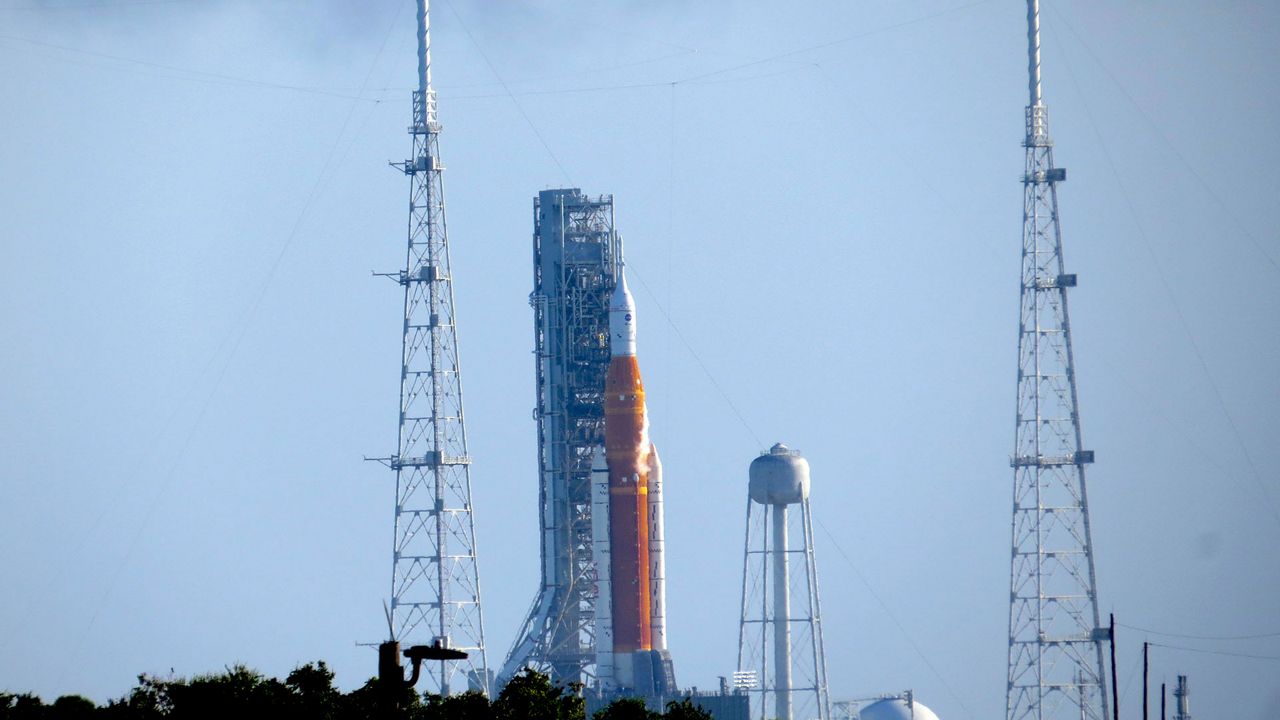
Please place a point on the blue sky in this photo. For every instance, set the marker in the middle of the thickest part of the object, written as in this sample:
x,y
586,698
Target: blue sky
x,y
821,205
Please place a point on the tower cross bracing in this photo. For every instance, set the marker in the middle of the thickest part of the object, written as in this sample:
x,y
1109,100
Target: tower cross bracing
x,y
576,251
1055,667
435,586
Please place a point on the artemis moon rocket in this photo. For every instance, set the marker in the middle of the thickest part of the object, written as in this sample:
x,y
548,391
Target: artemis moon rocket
x,y
627,532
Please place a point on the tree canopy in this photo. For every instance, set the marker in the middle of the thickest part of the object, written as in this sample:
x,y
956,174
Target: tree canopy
x,y
308,693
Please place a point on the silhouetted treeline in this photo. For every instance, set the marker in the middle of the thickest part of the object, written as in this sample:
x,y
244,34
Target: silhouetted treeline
x,y
308,694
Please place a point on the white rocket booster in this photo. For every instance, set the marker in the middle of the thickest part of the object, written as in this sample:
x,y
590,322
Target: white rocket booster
x,y
606,670
658,565
601,556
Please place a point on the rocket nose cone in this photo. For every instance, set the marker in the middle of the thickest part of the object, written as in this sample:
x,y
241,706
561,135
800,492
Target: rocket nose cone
x,y
621,300
622,318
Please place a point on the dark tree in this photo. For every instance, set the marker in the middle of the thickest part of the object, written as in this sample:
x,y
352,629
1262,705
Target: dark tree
x,y
685,710
308,693
73,707
23,707
374,701
467,706
530,695
626,709
237,692
148,700
314,696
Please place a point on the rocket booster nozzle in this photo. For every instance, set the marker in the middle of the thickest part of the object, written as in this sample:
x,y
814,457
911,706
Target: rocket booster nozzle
x,y
622,318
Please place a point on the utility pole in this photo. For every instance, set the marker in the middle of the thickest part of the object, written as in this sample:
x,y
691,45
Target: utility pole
x,y
1146,672
1115,687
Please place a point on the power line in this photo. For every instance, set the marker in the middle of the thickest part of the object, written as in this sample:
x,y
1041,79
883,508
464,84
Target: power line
x,y
238,333
1258,636
837,41
699,79
1218,652
710,376
199,75
1159,133
901,628
91,6
633,86
1173,299
511,95
1133,672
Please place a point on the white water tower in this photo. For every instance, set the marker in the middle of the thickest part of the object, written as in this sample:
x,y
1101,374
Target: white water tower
x,y
780,633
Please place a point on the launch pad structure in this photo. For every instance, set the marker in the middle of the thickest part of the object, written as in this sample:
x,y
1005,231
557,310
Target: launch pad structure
x,y
598,616
575,255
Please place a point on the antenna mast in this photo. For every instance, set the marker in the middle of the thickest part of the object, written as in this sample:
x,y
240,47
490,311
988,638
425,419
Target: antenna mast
x,y
435,586
1055,638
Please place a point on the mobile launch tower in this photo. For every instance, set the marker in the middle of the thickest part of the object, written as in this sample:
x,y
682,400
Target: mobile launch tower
x,y
1055,638
575,262
435,584
599,615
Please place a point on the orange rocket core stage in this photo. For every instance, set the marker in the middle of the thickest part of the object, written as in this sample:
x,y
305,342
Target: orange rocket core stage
x,y
627,451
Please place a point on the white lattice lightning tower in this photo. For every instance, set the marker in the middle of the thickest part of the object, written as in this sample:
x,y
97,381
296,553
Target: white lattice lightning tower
x,y
435,586
1055,642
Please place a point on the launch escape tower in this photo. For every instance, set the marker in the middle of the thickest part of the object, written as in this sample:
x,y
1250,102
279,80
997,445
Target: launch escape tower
x,y
1055,638
575,255
435,586
781,658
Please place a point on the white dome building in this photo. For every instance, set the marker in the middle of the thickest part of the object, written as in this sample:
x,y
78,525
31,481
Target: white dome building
x,y
896,708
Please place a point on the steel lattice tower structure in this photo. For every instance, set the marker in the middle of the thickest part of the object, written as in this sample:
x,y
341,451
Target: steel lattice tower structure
x,y
435,586
576,254
1055,639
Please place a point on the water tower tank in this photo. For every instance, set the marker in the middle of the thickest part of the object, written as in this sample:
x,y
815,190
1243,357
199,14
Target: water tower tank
x,y
779,477
896,708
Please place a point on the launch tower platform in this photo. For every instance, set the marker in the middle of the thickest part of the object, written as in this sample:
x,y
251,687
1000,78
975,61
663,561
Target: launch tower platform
x,y
575,254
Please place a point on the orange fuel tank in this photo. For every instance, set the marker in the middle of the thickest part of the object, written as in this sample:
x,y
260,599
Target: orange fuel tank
x,y
626,450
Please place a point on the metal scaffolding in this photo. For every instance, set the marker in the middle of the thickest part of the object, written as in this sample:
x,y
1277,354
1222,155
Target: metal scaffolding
x,y
575,256
1055,639
435,586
